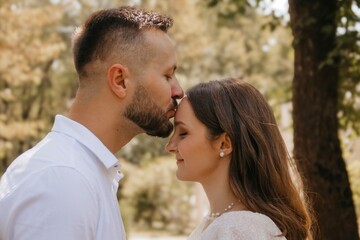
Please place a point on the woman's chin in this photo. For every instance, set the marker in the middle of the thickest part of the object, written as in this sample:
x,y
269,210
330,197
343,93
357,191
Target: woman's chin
x,y
180,176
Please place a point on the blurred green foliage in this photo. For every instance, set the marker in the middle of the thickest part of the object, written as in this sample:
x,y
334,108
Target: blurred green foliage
x,y
151,198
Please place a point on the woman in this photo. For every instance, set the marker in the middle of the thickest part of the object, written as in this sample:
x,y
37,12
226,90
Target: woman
x,y
226,138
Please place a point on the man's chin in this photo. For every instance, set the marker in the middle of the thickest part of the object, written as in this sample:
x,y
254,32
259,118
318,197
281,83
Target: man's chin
x,y
163,133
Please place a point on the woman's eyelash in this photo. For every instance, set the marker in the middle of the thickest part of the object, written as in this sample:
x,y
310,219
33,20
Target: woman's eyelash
x,y
182,133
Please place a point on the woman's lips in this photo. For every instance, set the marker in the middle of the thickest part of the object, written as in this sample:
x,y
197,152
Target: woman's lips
x,y
178,161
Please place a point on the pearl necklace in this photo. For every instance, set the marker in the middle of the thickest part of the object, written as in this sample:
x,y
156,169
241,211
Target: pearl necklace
x,y
218,214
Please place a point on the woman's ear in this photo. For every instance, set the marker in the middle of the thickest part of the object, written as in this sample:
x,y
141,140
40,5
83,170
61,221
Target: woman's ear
x,y
117,79
225,144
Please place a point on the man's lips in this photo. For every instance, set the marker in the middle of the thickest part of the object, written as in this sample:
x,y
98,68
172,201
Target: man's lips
x,y
173,108
171,113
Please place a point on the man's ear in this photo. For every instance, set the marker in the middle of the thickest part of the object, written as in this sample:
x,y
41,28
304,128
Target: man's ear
x,y
225,144
117,79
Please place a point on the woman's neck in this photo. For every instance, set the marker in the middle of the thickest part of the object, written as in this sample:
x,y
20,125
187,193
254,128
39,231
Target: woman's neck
x,y
221,198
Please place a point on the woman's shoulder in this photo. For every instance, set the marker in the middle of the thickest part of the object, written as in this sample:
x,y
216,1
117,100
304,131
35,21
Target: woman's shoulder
x,y
244,225
248,218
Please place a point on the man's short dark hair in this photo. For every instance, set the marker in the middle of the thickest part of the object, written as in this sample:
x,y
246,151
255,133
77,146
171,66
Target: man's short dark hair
x,y
116,29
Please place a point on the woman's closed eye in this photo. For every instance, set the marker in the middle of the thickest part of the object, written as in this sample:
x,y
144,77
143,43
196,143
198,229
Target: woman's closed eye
x,y
182,134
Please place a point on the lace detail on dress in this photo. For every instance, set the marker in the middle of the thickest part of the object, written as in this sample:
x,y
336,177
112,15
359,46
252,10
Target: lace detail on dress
x,y
238,225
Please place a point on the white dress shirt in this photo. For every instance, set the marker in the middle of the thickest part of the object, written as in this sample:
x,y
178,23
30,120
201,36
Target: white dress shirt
x,y
63,188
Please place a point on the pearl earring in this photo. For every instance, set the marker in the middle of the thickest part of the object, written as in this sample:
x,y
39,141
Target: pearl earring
x,y
222,154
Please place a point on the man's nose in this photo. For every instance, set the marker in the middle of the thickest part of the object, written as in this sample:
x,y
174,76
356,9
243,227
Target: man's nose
x,y
176,91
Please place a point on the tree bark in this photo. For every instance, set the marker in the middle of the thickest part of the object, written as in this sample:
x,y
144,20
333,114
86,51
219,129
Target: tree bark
x,y
317,149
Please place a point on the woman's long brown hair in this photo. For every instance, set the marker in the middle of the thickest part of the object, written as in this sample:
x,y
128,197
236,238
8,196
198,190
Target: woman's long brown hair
x,y
260,164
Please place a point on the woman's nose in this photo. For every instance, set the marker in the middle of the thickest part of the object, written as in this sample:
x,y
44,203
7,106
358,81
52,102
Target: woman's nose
x,y
170,147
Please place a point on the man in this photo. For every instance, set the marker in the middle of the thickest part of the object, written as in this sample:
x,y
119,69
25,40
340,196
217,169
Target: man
x,y
65,187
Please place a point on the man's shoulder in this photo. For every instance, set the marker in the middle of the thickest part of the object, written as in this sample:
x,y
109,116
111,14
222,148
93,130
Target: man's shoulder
x,y
45,200
26,180
51,158
54,150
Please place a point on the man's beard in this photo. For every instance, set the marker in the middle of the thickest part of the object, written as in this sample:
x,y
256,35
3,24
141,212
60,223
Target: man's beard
x,y
145,113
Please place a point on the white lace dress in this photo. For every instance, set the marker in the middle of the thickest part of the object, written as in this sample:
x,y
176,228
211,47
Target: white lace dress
x,y
239,225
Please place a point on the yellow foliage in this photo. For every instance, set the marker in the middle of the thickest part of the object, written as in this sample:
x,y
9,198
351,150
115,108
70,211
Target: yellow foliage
x,y
25,43
29,44
21,130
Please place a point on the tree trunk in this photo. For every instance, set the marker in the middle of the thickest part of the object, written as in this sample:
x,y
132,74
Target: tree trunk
x,y
317,149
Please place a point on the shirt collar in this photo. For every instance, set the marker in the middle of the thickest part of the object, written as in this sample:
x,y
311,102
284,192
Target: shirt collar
x,y
83,135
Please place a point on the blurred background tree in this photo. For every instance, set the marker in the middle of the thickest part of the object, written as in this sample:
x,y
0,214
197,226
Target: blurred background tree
x,y
29,95
324,66
230,39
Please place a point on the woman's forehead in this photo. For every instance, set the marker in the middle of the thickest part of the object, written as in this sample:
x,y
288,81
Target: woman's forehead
x,y
185,113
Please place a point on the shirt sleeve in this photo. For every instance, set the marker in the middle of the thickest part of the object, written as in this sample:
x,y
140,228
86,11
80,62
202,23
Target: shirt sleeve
x,y
56,203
